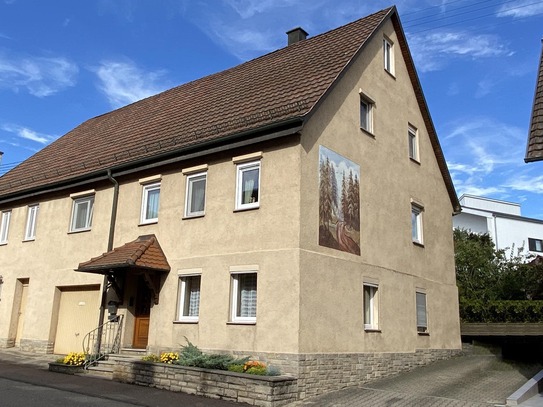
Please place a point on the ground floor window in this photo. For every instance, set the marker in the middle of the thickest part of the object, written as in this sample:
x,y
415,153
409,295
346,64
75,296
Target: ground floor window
x,y
244,297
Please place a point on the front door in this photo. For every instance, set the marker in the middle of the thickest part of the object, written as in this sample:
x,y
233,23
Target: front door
x,y
142,312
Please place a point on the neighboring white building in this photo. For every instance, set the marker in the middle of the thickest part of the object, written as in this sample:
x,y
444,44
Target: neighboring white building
x,y
502,221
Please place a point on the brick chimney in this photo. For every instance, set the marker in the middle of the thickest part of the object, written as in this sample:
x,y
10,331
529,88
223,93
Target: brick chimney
x,y
296,34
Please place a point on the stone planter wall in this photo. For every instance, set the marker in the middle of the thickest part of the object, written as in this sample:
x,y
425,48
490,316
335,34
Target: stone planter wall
x,y
265,391
66,369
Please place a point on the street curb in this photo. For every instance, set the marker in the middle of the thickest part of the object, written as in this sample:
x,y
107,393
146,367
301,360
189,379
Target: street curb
x,y
530,389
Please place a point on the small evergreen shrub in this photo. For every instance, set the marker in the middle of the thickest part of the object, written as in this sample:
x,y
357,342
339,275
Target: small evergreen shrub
x,y
151,358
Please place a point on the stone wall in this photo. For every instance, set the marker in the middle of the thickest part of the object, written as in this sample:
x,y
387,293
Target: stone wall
x,y
265,391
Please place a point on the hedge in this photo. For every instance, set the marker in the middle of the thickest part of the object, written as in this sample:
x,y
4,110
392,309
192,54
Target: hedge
x,y
501,311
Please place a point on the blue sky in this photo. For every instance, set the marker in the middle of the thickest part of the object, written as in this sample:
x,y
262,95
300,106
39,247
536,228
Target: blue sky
x,y
64,61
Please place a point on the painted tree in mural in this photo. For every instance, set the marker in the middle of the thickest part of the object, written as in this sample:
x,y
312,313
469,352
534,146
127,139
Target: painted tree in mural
x,y
325,192
350,201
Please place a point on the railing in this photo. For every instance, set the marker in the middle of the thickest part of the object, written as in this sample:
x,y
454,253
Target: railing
x,y
103,341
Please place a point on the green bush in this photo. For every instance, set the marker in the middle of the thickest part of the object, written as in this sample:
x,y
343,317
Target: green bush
x,y
501,311
190,355
236,368
257,370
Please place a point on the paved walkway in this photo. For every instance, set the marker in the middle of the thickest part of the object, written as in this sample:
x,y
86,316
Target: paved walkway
x,y
466,381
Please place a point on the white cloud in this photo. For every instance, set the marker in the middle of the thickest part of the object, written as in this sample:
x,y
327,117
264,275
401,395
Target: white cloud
x,y
39,76
249,8
123,82
520,8
433,51
27,134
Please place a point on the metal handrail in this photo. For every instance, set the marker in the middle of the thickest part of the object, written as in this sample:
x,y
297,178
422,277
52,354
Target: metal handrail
x,y
102,341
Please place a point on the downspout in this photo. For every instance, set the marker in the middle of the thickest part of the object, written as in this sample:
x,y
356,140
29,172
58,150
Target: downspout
x,y
109,245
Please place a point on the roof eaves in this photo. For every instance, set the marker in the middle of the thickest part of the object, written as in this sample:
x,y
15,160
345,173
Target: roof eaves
x,y
530,156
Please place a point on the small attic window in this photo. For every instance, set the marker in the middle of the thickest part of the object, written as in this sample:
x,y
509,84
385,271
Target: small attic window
x,y
388,55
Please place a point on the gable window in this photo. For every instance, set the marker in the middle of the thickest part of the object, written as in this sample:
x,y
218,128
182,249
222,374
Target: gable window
x,y
366,113
422,316
412,136
243,301
4,227
150,202
388,55
535,245
195,197
189,298
30,230
416,223
82,210
248,185
370,306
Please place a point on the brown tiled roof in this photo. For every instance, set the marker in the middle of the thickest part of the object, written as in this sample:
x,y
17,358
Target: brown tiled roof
x,y
268,90
144,253
534,149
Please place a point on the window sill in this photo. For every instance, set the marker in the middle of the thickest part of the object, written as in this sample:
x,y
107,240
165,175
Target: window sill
x,y
252,208
3,243
419,244
193,216
71,232
423,333
151,222
241,323
372,330
179,322
29,240
414,160
367,132
390,73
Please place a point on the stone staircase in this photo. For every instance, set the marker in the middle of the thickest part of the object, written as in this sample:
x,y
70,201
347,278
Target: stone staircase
x,y
103,369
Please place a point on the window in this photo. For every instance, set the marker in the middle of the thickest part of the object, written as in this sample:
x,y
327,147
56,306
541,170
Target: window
x,y
388,55
189,298
195,199
248,185
535,245
370,306
366,114
243,297
82,214
422,318
416,223
30,231
150,202
413,143
4,227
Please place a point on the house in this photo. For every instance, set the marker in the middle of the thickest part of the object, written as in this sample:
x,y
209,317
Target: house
x,y
534,147
503,222
295,208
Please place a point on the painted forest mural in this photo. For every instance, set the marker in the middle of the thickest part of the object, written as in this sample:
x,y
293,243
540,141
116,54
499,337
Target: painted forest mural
x,y
339,202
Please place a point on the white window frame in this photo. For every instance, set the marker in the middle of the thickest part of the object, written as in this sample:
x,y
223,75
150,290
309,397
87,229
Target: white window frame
x,y
421,303
535,245
371,306
235,300
191,179
366,115
413,142
240,170
388,55
184,297
77,202
31,220
417,223
4,226
147,189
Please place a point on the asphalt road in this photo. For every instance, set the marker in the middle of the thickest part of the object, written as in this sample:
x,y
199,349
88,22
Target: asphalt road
x,y
29,386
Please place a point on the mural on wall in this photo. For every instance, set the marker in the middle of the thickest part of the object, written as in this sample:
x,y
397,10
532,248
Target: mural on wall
x,y
339,202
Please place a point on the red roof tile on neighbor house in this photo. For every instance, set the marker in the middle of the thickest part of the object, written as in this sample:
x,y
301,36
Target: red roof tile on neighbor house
x,y
144,252
534,149
269,90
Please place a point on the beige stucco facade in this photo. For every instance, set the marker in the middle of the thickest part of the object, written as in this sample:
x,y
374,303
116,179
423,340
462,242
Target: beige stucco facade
x,y
310,297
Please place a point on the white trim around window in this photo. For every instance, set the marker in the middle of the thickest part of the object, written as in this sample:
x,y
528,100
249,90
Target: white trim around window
x,y
82,211
413,140
4,226
371,307
188,305
150,203
367,106
248,190
243,297
422,312
195,194
31,220
388,55
416,223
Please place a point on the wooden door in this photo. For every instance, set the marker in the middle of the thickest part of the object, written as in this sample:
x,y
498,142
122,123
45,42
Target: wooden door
x,y
21,312
141,317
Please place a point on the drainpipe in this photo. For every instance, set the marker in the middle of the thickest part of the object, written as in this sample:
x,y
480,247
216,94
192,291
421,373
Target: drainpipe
x,y
109,248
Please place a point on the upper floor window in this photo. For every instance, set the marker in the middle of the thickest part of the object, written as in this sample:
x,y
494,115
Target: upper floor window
x,y
535,245
248,185
4,226
31,220
388,55
422,316
189,298
195,199
82,210
243,302
366,113
416,223
412,136
150,203
370,306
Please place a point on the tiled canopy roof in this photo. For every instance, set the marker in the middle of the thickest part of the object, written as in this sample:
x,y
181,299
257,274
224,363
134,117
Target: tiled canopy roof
x,y
268,90
534,150
143,253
